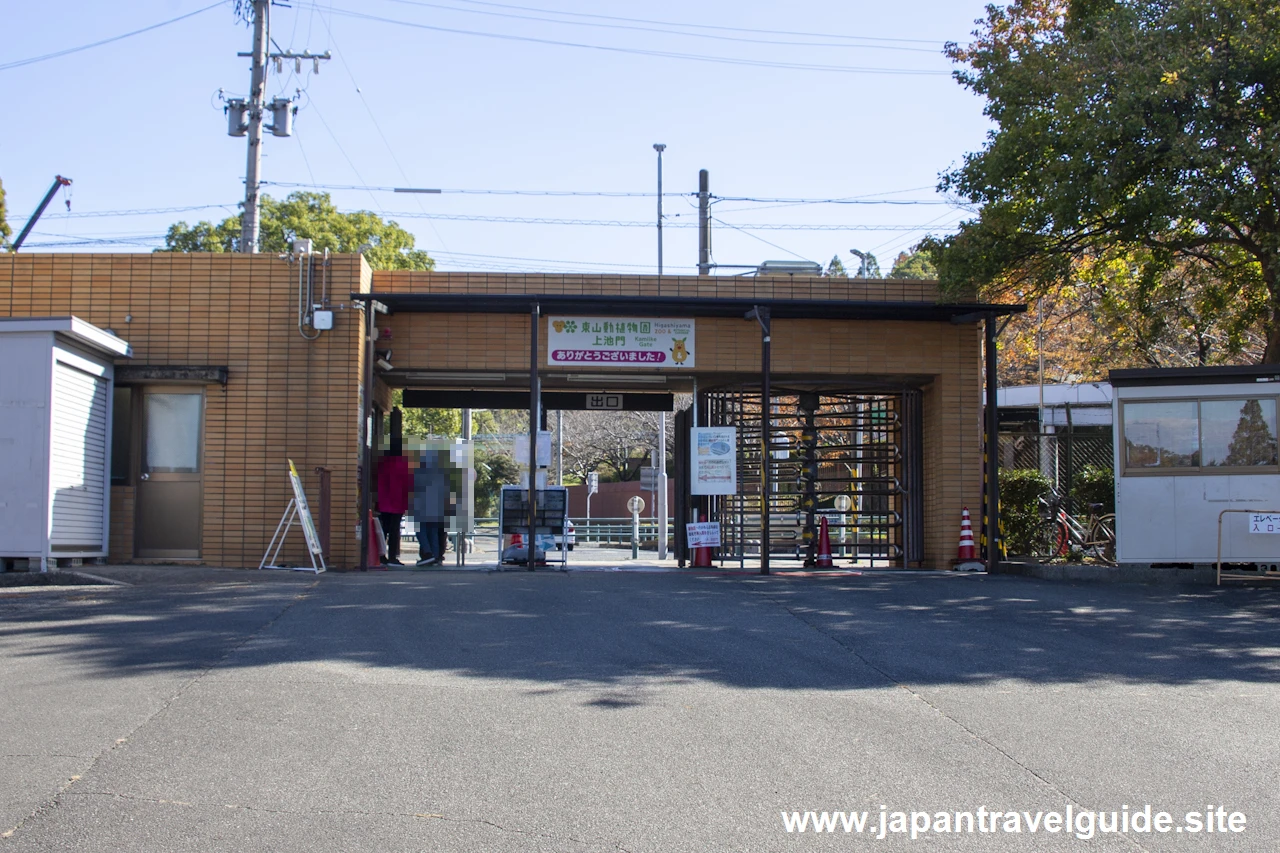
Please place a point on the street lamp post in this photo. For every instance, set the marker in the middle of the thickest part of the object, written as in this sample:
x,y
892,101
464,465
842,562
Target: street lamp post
x,y
661,502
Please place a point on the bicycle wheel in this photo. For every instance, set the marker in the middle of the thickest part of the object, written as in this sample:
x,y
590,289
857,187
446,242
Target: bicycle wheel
x,y
1049,540
1102,536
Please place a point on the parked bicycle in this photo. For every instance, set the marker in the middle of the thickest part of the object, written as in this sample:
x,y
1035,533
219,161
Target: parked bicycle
x,y
1062,533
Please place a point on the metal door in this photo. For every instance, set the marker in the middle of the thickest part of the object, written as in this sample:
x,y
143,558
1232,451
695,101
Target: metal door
x,y
168,500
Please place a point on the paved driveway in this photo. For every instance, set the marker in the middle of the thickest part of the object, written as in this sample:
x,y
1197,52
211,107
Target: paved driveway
x,y
633,711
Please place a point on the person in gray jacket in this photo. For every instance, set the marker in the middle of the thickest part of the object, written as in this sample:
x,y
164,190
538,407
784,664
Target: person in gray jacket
x,y
434,502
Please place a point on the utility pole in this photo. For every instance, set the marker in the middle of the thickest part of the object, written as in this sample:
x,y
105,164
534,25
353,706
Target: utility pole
x,y
257,96
247,117
704,223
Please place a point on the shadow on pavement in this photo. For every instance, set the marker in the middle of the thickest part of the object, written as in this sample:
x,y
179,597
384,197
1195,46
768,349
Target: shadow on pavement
x,y
625,631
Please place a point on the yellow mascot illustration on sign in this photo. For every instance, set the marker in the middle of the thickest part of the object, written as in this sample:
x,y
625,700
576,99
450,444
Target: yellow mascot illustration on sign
x,y
678,352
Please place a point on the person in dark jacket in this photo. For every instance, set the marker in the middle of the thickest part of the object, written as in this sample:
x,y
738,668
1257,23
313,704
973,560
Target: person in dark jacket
x,y
434,499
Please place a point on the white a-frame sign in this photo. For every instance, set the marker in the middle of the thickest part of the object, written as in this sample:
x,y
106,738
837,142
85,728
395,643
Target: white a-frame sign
x,y
297,510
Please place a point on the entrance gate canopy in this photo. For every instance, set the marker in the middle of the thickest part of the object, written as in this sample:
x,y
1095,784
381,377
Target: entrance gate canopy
x,y
861,336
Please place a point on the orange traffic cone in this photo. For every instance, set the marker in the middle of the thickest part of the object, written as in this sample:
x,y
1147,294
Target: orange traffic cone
x,y
966,551
824,547
701,556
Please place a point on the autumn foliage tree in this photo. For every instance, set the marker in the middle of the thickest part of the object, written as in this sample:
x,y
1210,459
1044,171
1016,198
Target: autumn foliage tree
x,y
1144,133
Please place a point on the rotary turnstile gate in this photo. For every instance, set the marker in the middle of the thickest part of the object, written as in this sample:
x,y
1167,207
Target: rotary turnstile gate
x,y
824,444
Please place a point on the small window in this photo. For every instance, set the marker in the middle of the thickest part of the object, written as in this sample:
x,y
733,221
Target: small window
x,y
1238,433
121,435
1161,435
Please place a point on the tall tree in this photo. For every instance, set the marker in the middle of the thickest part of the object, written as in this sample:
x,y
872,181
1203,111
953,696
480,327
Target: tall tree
x,y
914,265
1146,126
836,269
308,215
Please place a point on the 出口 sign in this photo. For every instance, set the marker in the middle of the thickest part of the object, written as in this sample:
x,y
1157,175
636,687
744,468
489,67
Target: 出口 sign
x,y
620,341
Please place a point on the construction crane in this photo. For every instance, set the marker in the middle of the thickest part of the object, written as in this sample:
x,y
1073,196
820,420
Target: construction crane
x,y
58,183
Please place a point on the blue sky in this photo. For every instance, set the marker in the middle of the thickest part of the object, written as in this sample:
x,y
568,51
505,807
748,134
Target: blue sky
x,y
468,95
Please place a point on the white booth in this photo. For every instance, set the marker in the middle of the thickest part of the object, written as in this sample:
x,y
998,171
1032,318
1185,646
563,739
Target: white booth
x,y
55,438
1195,448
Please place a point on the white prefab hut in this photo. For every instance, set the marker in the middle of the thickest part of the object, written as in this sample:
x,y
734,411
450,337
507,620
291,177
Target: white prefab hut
x,y
1196,448
56,386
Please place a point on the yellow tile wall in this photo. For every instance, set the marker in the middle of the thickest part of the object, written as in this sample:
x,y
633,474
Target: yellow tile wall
x,y
290,398
285,398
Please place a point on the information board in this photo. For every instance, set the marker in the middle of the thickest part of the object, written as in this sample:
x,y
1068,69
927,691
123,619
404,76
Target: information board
x,y
1264,522
304,512
713,470
703,534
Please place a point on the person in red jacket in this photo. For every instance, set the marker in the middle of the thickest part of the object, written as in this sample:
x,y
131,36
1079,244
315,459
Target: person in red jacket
x,y
395,480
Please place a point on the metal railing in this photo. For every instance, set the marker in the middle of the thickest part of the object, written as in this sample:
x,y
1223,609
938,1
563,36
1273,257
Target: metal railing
x,y
599,531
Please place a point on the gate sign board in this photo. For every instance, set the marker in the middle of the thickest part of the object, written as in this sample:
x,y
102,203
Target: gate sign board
x,y
620,341
713,470
609,402
304,512
703,534
1262,522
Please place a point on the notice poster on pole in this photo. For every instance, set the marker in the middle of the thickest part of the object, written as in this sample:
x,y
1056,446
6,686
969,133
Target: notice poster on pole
x,y
544,449
703,534
304,512
713,470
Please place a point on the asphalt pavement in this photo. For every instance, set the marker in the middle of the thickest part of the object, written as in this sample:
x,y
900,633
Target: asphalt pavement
x,y
635,711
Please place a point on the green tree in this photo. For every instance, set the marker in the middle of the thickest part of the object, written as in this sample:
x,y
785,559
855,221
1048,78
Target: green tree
x,y
308,215
914,265
440,422
4,225
1128,126
836,269
494,469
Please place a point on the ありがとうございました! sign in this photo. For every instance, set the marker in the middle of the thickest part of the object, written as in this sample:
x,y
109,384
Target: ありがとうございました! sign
x,y
620,341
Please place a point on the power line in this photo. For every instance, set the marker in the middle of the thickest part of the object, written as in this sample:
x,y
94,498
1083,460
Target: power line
x,y
639,223
443,254
602,193
696,26
663,54
18,63
140,211
665,28
781,202
853,200
766,242
342,58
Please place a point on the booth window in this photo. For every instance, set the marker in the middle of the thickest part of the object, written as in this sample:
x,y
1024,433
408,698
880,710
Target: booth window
x,y
121,435
1204,436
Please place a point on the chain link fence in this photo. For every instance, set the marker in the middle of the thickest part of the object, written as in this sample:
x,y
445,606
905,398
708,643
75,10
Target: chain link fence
x,y
1060,456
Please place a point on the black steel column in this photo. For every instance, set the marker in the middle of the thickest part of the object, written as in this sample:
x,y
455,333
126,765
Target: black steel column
x,y
992,460
534,422
766,442
366,452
